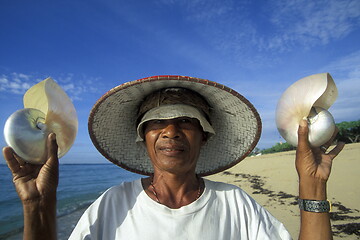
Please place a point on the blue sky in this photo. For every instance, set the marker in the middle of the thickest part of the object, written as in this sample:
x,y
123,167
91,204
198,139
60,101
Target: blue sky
x,y
258,48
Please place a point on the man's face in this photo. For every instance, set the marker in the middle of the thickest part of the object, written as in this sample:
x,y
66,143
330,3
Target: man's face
x,y
174,145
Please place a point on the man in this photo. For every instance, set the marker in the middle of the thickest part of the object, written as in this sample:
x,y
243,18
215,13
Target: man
x,y
185,128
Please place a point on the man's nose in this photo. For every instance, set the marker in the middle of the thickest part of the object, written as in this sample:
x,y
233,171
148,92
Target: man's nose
x,y
171,130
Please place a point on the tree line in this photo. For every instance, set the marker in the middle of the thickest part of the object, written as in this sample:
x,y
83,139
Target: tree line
x,y
349,132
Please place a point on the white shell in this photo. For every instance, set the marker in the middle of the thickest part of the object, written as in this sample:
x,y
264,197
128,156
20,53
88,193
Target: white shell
x,y
47,109
310,97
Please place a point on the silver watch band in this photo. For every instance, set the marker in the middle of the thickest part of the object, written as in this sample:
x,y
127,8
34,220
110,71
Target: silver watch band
x,y
318,206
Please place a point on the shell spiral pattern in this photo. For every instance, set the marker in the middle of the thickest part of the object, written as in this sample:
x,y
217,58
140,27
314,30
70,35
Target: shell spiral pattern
x,y
47,108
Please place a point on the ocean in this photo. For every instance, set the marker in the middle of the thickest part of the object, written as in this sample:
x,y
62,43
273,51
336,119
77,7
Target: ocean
x,y
79,186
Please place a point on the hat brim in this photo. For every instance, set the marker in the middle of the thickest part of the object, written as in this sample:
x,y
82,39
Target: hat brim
x,y
112,124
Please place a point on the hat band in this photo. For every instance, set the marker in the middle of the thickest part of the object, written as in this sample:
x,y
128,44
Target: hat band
x,y
171,111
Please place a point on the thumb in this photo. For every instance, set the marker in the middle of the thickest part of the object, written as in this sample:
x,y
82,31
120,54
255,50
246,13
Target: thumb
x,y
52,147
303,131
51,166
11,161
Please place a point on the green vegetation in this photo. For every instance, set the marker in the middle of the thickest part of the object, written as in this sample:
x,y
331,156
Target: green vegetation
x,y
349,132
278,147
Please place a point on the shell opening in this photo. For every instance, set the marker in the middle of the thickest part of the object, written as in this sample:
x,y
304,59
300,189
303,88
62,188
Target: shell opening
x,y
41,125
313,116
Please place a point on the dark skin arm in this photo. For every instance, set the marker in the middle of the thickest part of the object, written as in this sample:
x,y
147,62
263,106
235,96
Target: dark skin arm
x,y
36,186
314,166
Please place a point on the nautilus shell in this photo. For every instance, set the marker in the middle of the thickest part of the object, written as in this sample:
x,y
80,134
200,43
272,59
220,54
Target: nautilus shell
x,y
47,109
309,98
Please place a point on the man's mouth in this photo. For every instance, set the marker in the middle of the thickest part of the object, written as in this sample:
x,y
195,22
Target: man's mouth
x,y
172,148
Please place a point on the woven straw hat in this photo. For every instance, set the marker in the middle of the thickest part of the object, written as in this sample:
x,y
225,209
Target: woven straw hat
x,y
112,124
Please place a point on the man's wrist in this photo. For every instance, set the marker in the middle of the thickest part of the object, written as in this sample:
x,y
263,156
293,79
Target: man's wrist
x,y
38,206
312,189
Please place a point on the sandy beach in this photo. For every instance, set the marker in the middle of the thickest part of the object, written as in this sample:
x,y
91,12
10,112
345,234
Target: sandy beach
x,y
272,181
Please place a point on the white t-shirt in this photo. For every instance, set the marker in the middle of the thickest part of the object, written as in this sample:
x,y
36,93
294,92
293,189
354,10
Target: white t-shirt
x,y
223,212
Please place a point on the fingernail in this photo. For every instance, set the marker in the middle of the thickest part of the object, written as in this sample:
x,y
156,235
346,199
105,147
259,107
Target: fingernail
x,y
303,122
52,136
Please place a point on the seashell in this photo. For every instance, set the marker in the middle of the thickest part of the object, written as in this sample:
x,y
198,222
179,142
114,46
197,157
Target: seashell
x,y
309,98
47,109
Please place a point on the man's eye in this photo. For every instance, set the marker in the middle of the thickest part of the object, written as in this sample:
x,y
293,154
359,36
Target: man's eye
x,y
185,120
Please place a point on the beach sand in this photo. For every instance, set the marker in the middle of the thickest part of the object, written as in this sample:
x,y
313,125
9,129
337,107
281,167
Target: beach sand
x,y
272,181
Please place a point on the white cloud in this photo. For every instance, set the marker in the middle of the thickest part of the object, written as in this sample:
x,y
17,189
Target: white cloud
x,y
15,83
311,23
346,74
25,85
68,87
77,86
22,76
3,80
273,26
67,78
19,83
345,67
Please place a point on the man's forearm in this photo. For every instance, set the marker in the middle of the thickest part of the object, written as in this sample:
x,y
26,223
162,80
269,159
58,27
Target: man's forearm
x,y
40,220
314,225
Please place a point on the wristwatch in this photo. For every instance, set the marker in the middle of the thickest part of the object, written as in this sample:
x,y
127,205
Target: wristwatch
x,y
318,206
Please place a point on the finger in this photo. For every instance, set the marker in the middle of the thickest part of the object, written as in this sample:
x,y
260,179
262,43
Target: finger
x,y
334,152
11,161
330,142
303,131
323,148
52,149
19,159
52,163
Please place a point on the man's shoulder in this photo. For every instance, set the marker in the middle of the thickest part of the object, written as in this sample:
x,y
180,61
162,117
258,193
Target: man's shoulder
x,y
233,195
124,187
220,185
225,188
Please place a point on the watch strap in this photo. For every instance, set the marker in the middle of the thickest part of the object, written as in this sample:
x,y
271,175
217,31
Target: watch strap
x,y
318,206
